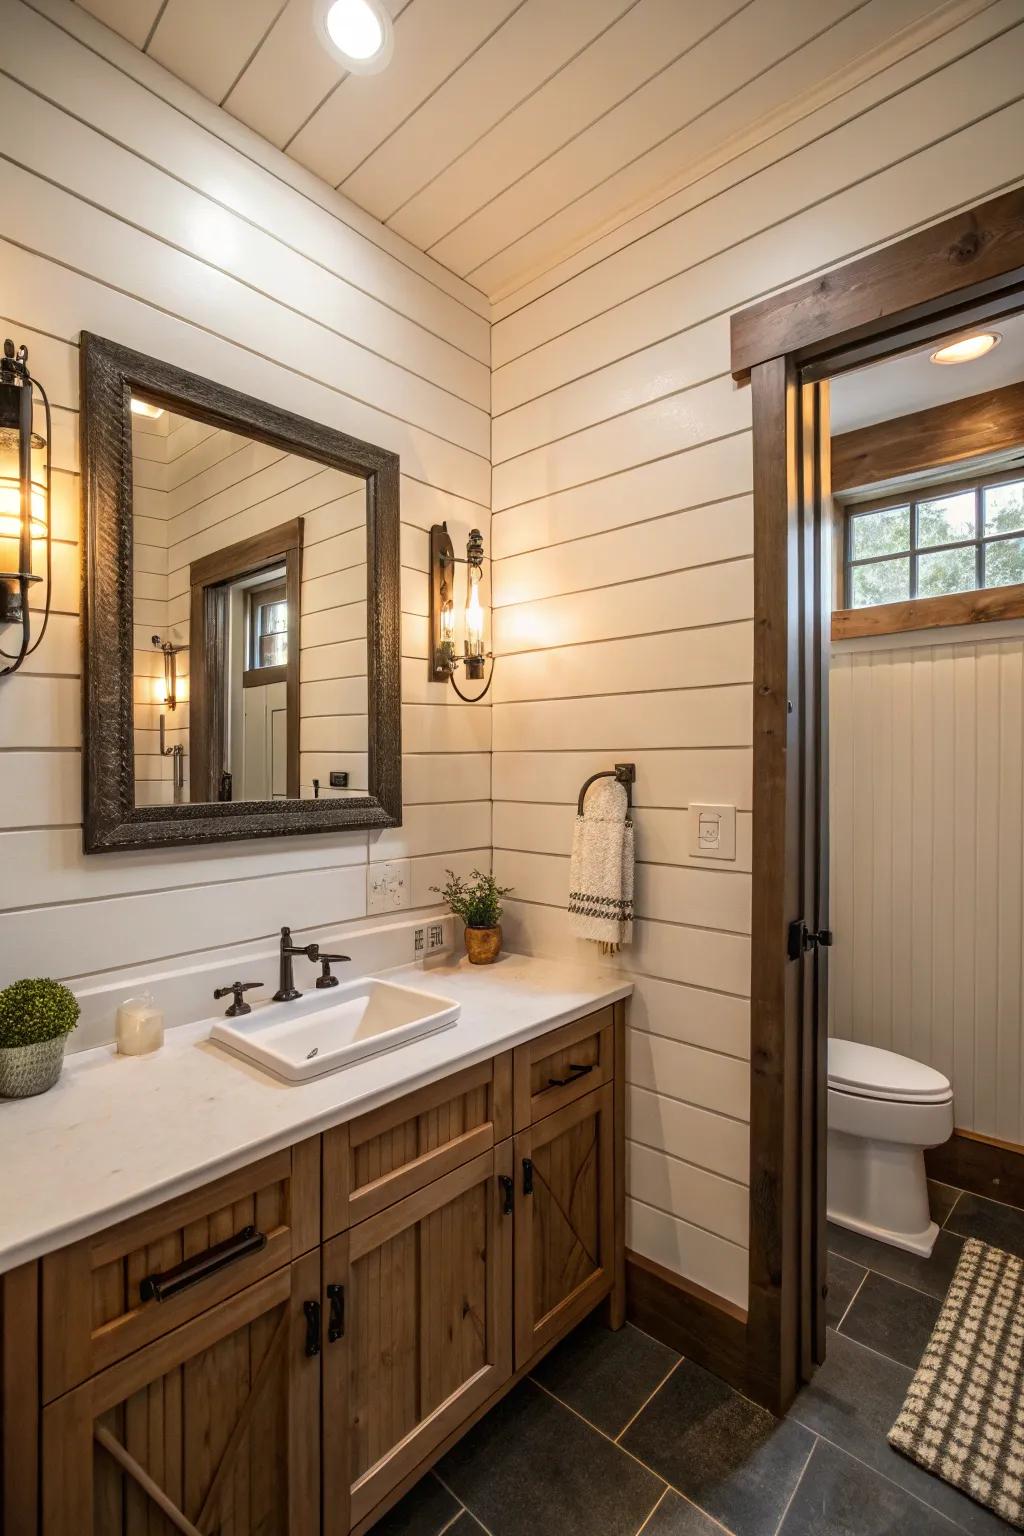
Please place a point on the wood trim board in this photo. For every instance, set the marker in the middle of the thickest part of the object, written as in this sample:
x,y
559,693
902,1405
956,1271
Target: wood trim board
x,y
982,607
980,1164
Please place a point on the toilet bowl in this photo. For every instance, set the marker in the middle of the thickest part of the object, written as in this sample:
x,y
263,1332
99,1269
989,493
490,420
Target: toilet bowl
x,y
883,1110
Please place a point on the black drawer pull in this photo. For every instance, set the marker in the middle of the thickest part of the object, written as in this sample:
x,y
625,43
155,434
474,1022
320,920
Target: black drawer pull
x,y
576,1071
167,1283
506,1194
336,1321
312,1311
527,1176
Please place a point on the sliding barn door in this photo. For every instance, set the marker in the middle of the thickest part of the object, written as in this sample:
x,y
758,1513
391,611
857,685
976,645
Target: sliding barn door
x,y
792,580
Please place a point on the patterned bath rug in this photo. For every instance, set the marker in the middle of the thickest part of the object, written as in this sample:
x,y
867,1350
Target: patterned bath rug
x,y
963,1417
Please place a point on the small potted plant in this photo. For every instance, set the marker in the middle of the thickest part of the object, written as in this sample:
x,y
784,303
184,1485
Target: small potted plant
x,y
478,902
36,1017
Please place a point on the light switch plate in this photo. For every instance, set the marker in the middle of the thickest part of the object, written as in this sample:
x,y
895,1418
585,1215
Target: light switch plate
x,y
388,886
712,831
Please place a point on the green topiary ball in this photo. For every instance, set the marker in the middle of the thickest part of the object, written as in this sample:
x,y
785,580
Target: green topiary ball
x,y
36,1009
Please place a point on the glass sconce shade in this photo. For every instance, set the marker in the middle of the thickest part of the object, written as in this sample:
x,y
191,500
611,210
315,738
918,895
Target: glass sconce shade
x,y
24,501
444,660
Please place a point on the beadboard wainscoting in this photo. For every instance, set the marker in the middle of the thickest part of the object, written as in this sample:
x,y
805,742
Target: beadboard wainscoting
x,y
146,215
621,533
927,860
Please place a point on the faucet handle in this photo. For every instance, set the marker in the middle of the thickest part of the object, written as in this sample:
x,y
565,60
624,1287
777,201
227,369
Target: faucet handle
x,y
238,1007
325,979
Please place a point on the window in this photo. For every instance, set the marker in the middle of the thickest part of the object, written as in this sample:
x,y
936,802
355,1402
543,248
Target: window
x,y
935,541
268,626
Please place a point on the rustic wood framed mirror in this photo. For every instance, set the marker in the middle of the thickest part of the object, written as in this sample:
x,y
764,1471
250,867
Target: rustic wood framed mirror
x,y
241,614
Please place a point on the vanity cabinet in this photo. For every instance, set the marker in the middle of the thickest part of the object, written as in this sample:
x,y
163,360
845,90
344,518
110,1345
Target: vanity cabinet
x,y
290,1347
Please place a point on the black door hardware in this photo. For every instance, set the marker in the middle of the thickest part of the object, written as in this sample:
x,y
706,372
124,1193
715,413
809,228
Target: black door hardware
x,y
336,1321
168,1282
576,1071
312,1311
225,788
238,1006
802,939
527,1176
506,1193
325,979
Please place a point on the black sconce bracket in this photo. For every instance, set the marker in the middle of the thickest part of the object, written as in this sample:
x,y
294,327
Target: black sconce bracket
x,y
444,660
17,387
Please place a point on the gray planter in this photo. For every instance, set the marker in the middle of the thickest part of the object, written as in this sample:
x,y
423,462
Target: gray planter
x,y
29,1069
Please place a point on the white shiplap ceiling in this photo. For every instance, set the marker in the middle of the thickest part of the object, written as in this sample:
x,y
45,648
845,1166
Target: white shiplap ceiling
x,y
504,134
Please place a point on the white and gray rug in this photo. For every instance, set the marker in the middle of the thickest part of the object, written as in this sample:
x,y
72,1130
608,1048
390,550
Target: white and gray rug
x,y
963,1417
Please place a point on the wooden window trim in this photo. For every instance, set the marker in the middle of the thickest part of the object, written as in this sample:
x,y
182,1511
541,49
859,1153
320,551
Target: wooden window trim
x,y
979,607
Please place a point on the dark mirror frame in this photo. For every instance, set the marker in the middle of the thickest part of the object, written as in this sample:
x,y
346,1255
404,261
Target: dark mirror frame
x,y
110,374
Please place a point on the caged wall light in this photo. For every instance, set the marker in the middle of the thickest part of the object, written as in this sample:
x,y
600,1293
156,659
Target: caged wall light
x,y
24,502
444,658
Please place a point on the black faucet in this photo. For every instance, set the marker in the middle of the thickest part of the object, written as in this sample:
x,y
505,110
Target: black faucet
x,y
288,991
325,979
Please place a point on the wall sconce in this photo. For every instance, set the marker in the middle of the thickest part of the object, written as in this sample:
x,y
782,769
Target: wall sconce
x,y
444,661
24,500
170,669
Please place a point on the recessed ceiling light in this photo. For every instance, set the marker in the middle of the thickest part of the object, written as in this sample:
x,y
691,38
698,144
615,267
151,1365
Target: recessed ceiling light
x,y
358,32
143,408
967,348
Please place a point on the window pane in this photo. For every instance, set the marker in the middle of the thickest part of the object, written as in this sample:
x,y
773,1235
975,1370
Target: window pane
x,y
950,570
1004,507
879,533
944,520
887,581
1004,563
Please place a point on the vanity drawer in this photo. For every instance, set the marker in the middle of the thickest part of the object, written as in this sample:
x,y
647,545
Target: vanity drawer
x,y
558,1068
110,1294
390,1152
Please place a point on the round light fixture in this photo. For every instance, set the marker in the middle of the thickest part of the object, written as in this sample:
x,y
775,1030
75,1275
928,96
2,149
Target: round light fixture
x,y
358,32
967,348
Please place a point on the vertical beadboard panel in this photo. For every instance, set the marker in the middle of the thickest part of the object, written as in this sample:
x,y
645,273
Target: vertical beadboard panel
x,y
927,866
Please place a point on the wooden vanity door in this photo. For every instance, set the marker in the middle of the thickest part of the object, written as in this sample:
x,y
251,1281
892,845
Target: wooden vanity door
x,y
213,1428
426,1340
565,1219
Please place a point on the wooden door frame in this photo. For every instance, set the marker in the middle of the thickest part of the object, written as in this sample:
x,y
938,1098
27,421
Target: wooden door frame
x,y
968,268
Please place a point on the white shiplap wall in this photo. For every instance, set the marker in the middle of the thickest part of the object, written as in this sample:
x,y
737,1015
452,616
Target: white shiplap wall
x,y
153,219
622,582
927,861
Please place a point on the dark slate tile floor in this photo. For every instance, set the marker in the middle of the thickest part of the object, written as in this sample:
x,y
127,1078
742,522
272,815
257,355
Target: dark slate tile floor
x,y
615,1434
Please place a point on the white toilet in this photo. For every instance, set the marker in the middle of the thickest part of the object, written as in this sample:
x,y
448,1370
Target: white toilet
x,y
883,1110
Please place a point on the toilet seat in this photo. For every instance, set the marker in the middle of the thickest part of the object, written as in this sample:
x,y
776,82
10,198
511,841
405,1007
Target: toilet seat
x,y
866,1072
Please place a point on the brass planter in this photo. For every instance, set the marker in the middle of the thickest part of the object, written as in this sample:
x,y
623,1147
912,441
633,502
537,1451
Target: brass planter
x,y
26,1070
483,945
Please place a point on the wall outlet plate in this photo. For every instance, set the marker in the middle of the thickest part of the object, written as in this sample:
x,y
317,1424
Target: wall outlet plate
x,y
388,886
339,779
712,831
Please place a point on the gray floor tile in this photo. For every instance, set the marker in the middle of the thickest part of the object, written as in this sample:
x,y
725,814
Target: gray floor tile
x,y
931,1275
465,1525
675,1516
532,1468
893,1319
838,1496
424,1511
1000,1225
843,1279
853,1401
941,1200
728,1456
605,1376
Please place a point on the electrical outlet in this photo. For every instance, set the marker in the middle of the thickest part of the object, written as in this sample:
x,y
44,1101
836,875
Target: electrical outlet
x,y
387,886
435,938
419,945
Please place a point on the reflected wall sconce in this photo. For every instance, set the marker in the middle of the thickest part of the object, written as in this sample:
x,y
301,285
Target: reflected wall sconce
x,y
170,669
24,501
444,658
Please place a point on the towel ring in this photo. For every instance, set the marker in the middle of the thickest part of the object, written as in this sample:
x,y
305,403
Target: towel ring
x,y
623,773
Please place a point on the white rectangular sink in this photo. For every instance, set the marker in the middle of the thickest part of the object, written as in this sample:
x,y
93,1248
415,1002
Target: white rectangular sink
x,y
334,1027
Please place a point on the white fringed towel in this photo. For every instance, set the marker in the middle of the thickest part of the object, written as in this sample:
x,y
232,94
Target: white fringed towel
x,y
601,871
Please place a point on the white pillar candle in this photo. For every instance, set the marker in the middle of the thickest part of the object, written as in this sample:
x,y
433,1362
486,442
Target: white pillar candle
x,y
140,1026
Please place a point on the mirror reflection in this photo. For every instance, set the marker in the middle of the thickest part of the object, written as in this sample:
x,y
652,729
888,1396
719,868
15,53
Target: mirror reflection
x,y
250,656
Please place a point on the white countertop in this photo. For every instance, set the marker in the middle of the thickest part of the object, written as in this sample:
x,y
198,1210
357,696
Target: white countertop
x,y
120,1134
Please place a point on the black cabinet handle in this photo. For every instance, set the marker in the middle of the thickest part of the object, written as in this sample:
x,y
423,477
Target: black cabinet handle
x,y
507,1193
336,1321
527,1176
168,1282
576,1071
312,1311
